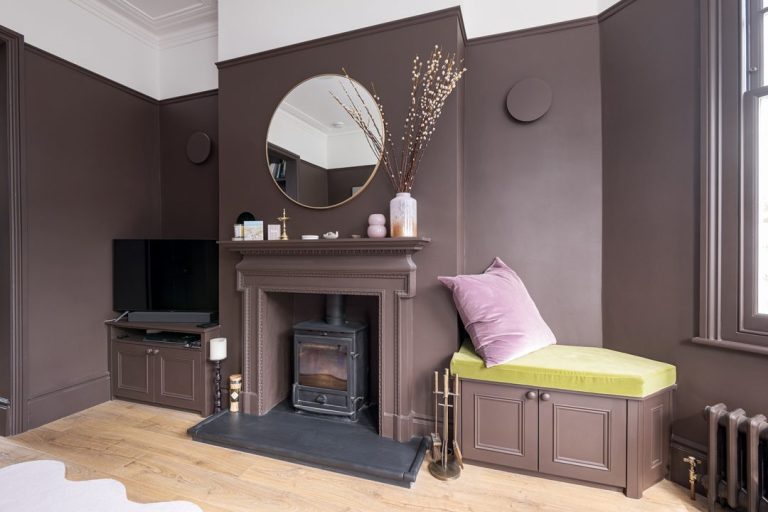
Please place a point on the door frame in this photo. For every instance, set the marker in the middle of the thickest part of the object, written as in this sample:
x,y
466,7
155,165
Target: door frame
x,y
13,47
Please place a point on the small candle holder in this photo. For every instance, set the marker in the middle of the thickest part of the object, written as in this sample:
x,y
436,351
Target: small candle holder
x,y
218,353
283,220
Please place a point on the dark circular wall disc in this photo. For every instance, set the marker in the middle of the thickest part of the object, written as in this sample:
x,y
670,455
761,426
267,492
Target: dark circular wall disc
x,y
198,147
529,99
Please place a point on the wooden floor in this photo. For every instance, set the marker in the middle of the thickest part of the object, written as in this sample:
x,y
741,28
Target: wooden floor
x,y
147,449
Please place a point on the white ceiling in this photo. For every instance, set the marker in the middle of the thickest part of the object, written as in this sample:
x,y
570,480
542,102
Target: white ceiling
x,y
159,23
312,102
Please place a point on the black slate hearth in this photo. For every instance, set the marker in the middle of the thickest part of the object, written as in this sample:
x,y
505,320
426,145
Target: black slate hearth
x,y
350,448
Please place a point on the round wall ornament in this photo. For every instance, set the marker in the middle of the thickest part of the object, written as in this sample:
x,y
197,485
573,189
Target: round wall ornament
x,y
529,99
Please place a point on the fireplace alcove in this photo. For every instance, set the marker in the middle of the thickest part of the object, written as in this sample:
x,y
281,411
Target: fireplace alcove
x,y
270,271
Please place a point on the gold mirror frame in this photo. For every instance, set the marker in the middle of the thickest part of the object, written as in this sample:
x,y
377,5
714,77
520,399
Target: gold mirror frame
x,y
267,144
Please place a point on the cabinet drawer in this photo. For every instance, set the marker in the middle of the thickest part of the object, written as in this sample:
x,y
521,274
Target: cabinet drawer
x,y
583,437
499,425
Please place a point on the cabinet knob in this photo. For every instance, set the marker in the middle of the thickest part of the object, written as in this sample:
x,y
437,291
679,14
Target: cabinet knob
x,y
148,351
155,351
531,395
545,397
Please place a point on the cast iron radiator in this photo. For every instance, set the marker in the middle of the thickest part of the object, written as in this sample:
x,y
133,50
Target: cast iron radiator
x,y
738,469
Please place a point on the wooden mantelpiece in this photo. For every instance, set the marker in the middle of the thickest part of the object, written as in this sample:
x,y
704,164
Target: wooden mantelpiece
x,y
382,268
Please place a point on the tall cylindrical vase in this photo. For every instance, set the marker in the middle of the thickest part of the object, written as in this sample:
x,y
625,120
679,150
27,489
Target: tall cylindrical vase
x,y
402,215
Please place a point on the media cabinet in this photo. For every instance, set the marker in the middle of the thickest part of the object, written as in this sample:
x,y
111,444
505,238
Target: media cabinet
x,y
161,373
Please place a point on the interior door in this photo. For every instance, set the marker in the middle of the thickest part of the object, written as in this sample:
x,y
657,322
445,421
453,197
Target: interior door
x,y
5,252
499,424
583,437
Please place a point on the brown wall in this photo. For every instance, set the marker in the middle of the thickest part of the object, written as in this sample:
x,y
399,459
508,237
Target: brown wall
x,y
91,176
246,103
341,181
190,192
651,184
533,190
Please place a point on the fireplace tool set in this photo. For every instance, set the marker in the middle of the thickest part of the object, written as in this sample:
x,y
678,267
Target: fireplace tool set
x,y
447,462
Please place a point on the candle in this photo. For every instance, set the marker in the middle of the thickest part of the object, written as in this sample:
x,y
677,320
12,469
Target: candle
x,y
218,350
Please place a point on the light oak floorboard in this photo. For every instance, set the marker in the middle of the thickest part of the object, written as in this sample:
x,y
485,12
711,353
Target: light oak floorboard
x,y
147,449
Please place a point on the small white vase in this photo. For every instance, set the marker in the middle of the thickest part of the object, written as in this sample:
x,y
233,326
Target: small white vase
x,y
402,215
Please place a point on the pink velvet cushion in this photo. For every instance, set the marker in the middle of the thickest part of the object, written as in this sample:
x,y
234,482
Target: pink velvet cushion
x,y
498,314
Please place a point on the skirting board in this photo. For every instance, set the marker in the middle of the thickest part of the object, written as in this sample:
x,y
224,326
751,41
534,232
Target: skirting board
x,y
65,401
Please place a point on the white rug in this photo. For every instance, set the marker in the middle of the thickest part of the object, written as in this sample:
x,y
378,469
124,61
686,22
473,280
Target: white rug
x,y
40,486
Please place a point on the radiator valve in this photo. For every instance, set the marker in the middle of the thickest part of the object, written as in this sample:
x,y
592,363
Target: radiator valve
x,y
692,476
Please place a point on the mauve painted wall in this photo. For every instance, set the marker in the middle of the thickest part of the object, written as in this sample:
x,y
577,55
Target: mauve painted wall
x,y
248,93
190,192
651,79
91,176
533,191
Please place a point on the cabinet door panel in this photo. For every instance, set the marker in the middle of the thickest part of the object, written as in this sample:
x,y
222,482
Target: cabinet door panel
x,y
499,425
179,382
132,375
583,437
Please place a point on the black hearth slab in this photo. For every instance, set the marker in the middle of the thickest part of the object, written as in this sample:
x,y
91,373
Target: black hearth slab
x,y
346,448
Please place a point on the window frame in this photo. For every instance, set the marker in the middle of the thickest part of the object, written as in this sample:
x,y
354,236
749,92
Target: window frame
x,y
731,85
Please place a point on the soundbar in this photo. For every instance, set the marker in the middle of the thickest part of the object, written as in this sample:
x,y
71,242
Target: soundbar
x,y
174,317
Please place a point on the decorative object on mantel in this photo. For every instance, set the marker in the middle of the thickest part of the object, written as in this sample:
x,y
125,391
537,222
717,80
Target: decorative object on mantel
x,y
253,230
310,237
377,225
432,81
447,462
240,223
529,99
218,352
273,231
355,236
235,385
42,485
331,235
283,220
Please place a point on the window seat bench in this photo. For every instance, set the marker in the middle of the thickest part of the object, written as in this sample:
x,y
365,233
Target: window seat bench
x,y
584,413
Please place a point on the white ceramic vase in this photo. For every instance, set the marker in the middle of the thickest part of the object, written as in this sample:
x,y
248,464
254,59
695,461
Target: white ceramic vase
x,y
402,215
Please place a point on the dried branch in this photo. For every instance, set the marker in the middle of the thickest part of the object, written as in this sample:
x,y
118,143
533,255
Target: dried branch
x,y
432,81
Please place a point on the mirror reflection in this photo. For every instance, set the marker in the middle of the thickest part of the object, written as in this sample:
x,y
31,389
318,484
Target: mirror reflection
x,y
316,154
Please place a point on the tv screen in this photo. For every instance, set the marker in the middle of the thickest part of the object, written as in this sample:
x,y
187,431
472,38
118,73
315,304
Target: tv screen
x,y
165,275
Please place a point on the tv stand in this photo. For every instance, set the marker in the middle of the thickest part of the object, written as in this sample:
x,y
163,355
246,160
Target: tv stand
x,y
171,372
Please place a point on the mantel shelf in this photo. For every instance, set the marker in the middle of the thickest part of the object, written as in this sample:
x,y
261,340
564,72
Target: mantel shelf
x,y
340,245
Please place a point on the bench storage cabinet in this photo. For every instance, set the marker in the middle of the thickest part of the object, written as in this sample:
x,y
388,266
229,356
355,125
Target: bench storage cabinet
x,y
566,428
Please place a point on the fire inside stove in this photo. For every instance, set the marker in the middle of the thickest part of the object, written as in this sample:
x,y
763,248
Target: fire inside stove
x,y
331,364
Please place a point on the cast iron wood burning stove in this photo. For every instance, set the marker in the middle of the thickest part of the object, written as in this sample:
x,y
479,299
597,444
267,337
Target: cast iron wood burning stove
x,y
331,364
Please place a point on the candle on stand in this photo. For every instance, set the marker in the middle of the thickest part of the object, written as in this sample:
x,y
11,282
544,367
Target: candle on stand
x,y
218,349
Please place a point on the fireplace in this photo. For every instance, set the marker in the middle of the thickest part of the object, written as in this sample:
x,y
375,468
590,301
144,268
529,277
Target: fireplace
x,y
331,364
380,270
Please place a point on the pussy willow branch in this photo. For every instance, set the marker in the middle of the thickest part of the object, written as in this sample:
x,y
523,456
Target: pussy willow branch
x,y
432,81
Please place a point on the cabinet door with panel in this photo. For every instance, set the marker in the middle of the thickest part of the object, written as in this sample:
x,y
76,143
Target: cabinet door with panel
x,y
132,371
499,424
178,379
583,437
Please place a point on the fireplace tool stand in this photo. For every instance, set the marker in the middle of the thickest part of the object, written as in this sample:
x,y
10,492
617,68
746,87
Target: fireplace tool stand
x,y
447,462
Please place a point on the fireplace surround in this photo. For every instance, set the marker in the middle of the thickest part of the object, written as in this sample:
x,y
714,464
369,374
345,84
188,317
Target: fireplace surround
x,y
382,268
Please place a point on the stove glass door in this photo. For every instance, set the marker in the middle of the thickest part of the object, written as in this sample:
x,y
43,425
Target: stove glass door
x,y
323,366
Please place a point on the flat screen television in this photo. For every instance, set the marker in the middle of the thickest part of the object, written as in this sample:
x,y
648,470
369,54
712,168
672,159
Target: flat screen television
x,y
165,275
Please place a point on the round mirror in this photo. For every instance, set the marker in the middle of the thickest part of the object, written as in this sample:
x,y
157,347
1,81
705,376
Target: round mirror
x,y
317,155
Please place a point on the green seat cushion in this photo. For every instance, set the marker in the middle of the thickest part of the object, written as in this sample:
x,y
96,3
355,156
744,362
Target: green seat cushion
x,y
586,369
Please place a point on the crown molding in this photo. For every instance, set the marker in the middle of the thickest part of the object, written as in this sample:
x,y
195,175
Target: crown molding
x,y
165,32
